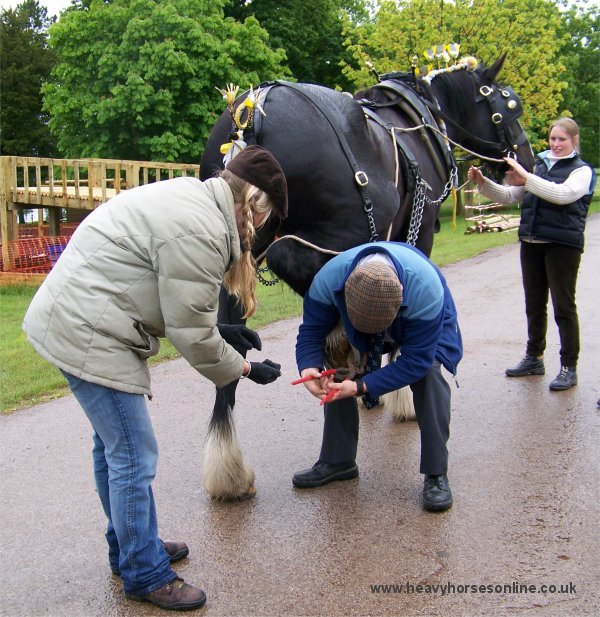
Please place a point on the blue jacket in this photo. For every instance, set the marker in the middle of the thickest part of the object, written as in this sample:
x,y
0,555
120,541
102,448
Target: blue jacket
x,y
426,327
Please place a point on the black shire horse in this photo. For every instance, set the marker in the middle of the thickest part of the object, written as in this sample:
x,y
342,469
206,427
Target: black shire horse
x,y
374,166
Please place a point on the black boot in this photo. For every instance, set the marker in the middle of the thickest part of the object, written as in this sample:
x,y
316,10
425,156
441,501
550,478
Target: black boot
x,y
437,495
529,365
323,473
567,378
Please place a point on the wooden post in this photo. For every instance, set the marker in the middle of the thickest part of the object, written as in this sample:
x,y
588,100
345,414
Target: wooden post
x,y
54,220
103,179
40,222
7,216
132,174
459,203
469,194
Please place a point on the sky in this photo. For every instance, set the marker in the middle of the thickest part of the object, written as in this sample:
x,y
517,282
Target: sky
x,y
54,6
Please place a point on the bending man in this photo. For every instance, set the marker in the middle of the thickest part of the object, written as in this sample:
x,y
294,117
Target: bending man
x,y
387,295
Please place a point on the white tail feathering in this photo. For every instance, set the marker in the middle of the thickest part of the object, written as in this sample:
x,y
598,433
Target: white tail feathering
x,y
225,474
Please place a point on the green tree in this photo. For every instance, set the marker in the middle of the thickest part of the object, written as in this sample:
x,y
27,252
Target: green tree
x,y
25,63
310,32
136,79
484,29
581,56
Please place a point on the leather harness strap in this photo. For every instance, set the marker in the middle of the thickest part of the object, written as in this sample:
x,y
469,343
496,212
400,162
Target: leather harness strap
x,y
360,176
415,105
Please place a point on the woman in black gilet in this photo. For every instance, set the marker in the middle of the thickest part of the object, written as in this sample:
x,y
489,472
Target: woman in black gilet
x,y
554,204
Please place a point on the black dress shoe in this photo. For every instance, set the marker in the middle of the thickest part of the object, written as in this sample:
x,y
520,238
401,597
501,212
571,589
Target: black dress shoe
x,y
437,495
529,365
323,473
567,378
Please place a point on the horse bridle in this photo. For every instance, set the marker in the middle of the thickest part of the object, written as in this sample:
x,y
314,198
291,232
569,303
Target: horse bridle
x,y
505,110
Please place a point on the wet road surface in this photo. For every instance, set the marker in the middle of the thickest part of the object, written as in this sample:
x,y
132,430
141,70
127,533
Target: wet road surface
x,y
524,469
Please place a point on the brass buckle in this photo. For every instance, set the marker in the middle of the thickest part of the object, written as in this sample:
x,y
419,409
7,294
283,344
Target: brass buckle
x,y
361,178
485,90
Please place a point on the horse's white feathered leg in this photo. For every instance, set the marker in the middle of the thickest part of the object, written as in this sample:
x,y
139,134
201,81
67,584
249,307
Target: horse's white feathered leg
x,y
400,404
225,474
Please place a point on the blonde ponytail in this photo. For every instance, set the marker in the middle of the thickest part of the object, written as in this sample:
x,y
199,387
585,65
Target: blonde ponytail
x,y
240,279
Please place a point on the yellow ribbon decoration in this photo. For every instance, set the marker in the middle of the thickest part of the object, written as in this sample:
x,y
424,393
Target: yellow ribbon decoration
x,y
249,105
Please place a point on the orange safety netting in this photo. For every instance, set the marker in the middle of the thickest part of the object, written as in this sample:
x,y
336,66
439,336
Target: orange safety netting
x,y
35,231
33,255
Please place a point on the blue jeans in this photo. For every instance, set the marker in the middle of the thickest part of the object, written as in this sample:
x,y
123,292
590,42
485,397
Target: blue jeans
x,y
125,454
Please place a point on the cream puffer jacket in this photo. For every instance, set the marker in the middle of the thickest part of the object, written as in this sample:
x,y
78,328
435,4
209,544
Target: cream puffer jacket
x,y
146,264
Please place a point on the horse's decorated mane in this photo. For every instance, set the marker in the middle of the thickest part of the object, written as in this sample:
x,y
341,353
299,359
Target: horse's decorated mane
x,y
461,82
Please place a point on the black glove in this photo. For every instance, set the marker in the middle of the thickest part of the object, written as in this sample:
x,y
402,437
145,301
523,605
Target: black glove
x,y
264,372
240,337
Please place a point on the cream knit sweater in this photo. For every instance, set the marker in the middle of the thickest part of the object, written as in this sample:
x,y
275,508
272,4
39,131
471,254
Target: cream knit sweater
x,y
573,188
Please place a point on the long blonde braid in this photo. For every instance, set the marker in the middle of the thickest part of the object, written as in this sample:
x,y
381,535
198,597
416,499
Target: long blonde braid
x,y
240,279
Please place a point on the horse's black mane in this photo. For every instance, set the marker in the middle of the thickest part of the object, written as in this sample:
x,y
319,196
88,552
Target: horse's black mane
x,y
458,88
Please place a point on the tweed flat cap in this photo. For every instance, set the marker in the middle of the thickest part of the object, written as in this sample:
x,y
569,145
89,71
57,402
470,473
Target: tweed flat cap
x,y
373,297
259,167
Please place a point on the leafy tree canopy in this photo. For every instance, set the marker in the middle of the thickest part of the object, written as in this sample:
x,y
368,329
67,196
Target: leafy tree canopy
x,y
136,79
310,32
581,55
484,29
25,63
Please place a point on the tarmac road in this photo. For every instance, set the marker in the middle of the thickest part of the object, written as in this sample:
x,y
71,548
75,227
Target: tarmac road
x,y
524,466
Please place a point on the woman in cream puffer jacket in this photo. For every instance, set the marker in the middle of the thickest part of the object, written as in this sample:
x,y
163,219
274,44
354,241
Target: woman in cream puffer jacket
x,y
147,264
150,263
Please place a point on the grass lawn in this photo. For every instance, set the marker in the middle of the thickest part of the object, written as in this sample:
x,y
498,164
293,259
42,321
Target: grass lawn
x,y
26,379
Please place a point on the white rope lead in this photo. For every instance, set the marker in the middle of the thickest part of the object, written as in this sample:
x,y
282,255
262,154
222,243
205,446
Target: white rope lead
x,y
299,240
454,143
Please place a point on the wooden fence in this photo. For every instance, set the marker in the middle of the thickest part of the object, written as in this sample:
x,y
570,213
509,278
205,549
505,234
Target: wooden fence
x,y
77,185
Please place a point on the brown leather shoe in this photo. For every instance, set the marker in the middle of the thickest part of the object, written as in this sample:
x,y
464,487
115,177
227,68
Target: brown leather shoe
x,y
174,596
175,550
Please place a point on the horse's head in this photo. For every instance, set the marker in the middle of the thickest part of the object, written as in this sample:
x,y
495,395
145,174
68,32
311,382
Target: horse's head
x,y
481,115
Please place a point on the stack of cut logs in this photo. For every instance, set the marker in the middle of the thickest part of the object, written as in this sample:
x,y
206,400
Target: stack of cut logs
x,y
486,223
493,220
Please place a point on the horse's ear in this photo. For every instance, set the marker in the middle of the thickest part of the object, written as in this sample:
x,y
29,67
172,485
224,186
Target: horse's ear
x,y
489,75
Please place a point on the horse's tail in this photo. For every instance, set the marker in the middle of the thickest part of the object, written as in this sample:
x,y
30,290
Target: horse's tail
x,y
225,474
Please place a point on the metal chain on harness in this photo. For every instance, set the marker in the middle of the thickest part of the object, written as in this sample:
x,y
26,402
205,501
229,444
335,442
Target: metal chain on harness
x,y
421,199
267,282
371,220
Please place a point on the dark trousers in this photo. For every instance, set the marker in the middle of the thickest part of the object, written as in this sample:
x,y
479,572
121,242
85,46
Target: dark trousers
x,y
431,397
551,268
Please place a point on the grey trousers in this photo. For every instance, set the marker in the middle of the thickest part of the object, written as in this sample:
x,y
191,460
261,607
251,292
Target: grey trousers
x,y
431,397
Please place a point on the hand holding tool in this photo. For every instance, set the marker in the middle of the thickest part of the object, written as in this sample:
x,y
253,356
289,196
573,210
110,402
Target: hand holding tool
x,y
311,377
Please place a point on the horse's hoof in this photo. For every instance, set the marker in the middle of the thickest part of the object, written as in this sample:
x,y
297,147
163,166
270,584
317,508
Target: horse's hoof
x,y
248,494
